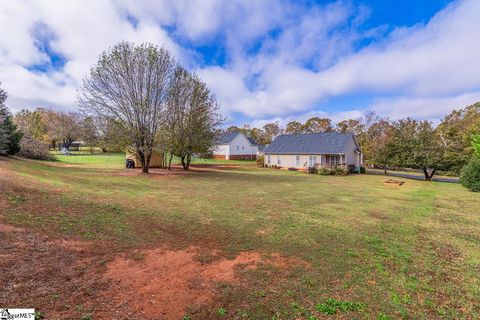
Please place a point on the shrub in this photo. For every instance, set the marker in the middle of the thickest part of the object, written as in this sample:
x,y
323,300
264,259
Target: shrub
x,y
324,171
34,149
333,171
470,175
260,160
362,170
351,168
339,171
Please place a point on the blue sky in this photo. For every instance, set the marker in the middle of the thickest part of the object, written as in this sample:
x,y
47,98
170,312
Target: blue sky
x,y
265,60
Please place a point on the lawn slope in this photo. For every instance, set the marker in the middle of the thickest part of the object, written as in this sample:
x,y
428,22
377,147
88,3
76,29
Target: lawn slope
x,y
321,246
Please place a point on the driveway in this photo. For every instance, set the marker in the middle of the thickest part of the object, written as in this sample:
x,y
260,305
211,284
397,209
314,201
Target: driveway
x,y
408,175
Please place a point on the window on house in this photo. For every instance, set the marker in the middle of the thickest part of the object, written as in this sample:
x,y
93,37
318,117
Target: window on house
x,y
335,159
312,160
297,160
278,160
268,159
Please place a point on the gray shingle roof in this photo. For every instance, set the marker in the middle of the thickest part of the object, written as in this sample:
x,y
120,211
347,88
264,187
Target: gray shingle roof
x,y
226,137
311,143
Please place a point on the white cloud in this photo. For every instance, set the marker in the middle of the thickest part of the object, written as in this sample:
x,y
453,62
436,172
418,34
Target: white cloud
x,y
283,59
424,62
429,108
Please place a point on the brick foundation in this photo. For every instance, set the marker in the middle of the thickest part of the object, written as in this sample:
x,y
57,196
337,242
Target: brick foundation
x,y
243,157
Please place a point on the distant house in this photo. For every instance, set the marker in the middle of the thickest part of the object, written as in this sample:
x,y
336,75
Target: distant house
x,y
235,146
302,151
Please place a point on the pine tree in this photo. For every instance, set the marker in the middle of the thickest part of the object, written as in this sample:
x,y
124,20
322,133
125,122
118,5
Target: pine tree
x,y
9,136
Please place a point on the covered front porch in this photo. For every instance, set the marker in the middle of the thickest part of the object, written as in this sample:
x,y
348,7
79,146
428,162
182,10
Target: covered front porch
x,y
340,160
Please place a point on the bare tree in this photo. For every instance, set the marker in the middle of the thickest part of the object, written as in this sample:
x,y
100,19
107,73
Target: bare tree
x,y
197,119
67,127
179,98
130,84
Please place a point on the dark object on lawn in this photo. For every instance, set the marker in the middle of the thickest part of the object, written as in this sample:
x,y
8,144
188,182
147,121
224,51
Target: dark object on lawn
x,y
292,169
312,170
130,164
393,182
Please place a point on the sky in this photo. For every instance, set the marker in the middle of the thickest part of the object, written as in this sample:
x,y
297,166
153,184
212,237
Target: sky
x,y
265,60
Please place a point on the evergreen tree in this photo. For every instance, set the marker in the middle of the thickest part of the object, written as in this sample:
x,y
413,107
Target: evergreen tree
x,y
9,136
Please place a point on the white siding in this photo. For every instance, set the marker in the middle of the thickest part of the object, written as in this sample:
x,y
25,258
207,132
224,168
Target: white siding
x,y
289,161
240,145
221,150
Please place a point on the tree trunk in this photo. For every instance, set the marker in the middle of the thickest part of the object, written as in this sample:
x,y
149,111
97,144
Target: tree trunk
x,y
67,143
184,164
145,161
189,158
170,161
385,169
429,176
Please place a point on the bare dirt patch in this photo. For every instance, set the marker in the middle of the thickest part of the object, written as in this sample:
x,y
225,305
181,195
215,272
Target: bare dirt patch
x,y
55,277
69,278
165,284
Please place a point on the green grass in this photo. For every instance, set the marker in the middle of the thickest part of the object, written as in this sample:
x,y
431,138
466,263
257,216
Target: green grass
x,y
111,160
374,251
117,160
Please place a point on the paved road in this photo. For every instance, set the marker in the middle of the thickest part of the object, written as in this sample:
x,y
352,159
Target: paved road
x,y
412,176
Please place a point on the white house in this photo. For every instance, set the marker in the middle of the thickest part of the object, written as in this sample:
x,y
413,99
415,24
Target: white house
x,y
235,146
302,151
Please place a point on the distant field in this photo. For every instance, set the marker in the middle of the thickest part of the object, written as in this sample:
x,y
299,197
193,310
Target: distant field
x,y
117,160
233,242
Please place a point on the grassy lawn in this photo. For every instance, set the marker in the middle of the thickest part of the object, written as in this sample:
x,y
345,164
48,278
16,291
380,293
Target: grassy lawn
x,y
117,160
380,252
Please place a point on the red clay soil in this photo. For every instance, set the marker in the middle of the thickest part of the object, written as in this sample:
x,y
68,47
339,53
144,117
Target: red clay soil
x,y
69,279
163,284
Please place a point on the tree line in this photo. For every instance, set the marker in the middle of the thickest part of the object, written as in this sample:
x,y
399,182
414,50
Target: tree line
x,y
138,96
404,143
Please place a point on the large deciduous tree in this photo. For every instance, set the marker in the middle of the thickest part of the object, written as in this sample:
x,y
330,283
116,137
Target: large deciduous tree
x,y
130,84
30,124
272,130
318,125
294,127
192,117
456,131
350,126
418,146
67,127
381,144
